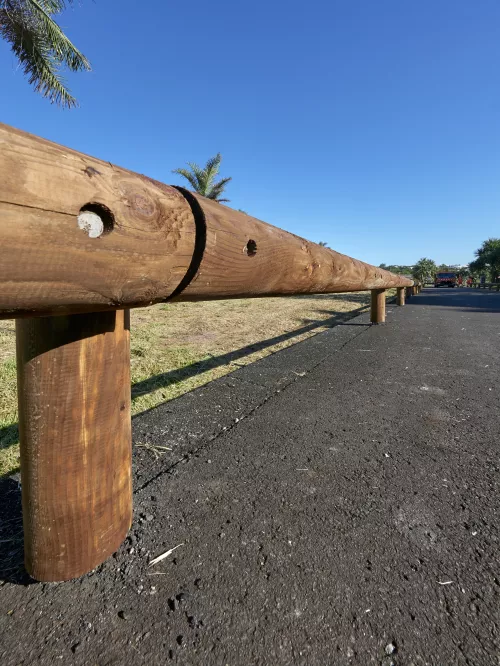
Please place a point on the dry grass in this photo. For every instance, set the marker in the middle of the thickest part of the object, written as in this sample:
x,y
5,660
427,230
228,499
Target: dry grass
x,y
178,347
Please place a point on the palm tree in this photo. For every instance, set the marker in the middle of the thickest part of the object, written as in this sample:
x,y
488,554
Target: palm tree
x,y
203,180
425,269
41,46
488,258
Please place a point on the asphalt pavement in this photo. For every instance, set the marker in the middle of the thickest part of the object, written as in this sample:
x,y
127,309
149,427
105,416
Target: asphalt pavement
x,y
335,503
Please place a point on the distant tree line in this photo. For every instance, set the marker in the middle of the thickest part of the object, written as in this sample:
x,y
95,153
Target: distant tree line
x,y
487,263
423,266
396,268
425,269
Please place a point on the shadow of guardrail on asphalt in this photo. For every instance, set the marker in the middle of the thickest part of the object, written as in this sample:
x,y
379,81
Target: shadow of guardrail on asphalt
x,y
9,435
175,376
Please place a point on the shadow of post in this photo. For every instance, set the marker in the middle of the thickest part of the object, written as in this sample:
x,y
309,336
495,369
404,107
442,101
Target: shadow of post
x,y
11,533
9,435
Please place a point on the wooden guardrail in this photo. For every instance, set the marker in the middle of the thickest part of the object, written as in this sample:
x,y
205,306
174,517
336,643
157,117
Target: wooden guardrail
x,y
487,285
82,242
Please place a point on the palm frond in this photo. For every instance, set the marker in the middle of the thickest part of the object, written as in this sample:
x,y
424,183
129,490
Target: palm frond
x,y
40,46
30,46
217,189
221,184
188,176
211,170
202,179
213,163
54,6
64,49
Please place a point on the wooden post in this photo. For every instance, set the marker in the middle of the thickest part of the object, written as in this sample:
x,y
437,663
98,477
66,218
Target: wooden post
x,y
400,297
377,311
75,431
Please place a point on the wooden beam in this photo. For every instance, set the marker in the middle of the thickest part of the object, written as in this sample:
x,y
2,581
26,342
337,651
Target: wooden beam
x,y
75,431
245,257
400,296
55,257
79,235
377,310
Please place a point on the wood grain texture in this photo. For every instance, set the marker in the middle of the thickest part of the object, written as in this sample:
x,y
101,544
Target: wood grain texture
x,y
49,265
275,263
400,296
75,430
155,247
377,309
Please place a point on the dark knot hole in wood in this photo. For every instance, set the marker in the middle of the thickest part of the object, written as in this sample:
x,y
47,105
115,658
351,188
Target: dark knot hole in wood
x,y
96,219
251,248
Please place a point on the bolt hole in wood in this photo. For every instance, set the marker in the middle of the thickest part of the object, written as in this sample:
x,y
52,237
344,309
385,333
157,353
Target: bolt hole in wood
x,y
251,248
96,220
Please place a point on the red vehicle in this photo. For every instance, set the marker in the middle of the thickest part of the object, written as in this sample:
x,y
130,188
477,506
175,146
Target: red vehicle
x,y
445,280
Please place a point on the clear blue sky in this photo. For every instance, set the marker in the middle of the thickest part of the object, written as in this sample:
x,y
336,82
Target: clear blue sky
x,y
370,124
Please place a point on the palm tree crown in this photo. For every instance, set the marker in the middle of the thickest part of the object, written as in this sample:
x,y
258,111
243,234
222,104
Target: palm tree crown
x,y
41,46
203,180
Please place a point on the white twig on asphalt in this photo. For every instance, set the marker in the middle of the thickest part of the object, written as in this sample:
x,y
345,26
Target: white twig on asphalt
x,y
164,555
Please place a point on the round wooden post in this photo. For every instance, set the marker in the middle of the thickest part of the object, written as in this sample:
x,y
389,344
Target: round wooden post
x,y
75,432
377,311
400,297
